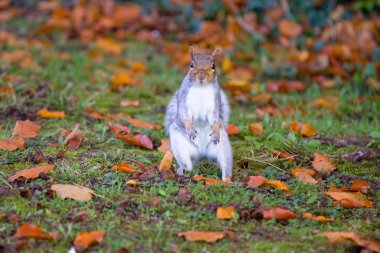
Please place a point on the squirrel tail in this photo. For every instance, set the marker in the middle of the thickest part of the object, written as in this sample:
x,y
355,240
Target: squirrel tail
x,y
171,113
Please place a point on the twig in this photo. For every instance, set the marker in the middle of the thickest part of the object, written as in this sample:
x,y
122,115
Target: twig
x,y
285,7
235,10
72,134
267,163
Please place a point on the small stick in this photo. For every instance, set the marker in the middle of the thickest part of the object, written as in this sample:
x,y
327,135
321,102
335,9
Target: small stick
x,y
72,134
267,163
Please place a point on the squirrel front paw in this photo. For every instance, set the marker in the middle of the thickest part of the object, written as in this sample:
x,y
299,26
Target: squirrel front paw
x,y
192,133
215,138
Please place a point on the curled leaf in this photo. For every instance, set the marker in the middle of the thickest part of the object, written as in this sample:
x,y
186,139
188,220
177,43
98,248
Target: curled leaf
x,y
357,238
33,231
124,167
277,184
86,239
278,214
310,216
308,130
31,172
142,124
211,181
165,145
348,199
360,185
166,162
232,129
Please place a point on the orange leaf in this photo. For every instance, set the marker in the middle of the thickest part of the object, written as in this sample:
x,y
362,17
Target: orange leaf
x,y
142,124
121,79
86,239
12,145
289,29
166,162
284,86
124,167
357,238
205,236
132,182
283,155
211,181
93,114
310,216
237,84
277,184
31,172
256,181
108,45
225,213
7,89
118,130
26,129
134,103
256,129
348,199
165,144
44,113
323,164
137,139
33,231
330,103
295,171
261,98
232,129
306,178
295,126
278,214
360,185
308,130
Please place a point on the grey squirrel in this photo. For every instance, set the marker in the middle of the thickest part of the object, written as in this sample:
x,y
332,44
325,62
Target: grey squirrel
x,y
197,117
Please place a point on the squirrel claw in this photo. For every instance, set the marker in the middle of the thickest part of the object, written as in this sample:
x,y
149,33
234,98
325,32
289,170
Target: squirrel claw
x,y
215,138
192,133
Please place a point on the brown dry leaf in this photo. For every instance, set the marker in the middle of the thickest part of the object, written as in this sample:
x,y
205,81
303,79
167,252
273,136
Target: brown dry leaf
x,y
357,238
205,236
360,185
26,129
11,145
283,155
277,184
109,46
132,182
211,181
348,199
93,114
75,192
124,167
261,98
237,84
119,80
278,214
295,126
166,162
31,172
142,124
295,171
7,89
232,129
323,164
256,129
306,178
289,29
44,113
226,64
225,213
330,103
285,86
310,216
165,145
86,239
134,103
123,133
256,181
33,231
308,130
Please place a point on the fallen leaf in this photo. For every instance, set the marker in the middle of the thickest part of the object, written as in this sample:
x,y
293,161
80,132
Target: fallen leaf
x,y
137,139
360,185
108,45
256,129
278,214
142,124
226,64
119,80
277,184
211,181
225,213
330,103
285,86
166,162
134,103
44,113
295,126
256,181
26,129
93,114
31,172
75,192
295,171
261,98
124,167
306,178
86,239
237,84
132,182
33,231
283,155
323,164
289,29
11,145
308,130
6,89
205,236
232,129
310,216
348,199
165,145
357,238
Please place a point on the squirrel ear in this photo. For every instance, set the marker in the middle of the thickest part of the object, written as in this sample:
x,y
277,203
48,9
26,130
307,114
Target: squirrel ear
x,y
216,52
191,50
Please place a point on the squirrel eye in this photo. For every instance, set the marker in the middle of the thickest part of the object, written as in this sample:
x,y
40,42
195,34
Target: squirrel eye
x,y
191,65
213,66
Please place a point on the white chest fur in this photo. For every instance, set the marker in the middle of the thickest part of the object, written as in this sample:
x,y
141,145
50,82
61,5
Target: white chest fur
x,y
200,102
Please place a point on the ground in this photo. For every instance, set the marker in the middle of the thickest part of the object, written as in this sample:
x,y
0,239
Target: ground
x,y
148,217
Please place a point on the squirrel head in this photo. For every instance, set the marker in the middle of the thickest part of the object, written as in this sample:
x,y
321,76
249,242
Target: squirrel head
x,y
202,67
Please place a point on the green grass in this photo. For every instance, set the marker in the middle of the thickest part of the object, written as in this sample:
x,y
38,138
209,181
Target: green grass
x,y
78,83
